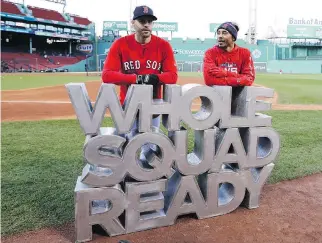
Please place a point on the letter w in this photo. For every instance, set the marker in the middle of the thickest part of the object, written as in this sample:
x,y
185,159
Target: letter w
x,y
90,118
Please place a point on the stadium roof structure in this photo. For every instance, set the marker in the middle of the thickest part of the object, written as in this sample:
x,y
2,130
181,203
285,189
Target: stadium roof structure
x,y
16,9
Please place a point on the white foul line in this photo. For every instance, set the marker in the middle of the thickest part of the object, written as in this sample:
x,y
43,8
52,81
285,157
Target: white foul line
x,y
50,102
37,101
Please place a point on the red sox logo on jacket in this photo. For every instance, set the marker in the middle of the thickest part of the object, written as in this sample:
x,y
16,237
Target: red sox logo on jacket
x,y
231,67
129,66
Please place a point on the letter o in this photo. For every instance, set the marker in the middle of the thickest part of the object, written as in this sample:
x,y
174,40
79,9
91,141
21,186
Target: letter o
x,y
211,105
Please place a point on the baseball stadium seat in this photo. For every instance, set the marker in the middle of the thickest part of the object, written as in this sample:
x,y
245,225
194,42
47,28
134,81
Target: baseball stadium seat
x,y
80,20
9,7
62,60
33,61
46,14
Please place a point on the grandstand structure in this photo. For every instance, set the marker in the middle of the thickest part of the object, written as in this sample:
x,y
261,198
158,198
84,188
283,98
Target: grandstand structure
x,y
35,39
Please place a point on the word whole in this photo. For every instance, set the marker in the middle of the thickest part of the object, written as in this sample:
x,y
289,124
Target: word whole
x,y
232,156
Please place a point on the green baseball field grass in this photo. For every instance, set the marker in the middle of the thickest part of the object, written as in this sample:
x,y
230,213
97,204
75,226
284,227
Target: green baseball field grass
x,y
27,80
291,88
41,160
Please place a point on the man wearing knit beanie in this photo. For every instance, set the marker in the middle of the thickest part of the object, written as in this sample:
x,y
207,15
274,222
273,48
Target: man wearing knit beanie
x,y
227,63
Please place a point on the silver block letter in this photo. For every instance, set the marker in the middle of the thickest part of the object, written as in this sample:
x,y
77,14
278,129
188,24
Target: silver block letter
x,y
241,105
167,107
224,192
211,105
158,167
104,151
183,196
201,159
254,180
145,205
91,118
262,145
226,139
84,213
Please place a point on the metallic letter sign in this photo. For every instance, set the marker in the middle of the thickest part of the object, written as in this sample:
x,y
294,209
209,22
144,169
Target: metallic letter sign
x,y
234,152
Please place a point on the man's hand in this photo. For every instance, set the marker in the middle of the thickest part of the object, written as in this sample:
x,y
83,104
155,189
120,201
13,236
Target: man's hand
x,y
218,72
151,79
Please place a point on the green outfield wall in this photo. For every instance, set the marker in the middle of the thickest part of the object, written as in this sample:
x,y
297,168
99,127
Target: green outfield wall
x,y
267,57
295,66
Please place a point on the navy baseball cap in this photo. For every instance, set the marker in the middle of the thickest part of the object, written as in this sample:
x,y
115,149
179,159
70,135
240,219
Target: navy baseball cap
x,y
231,28
140,11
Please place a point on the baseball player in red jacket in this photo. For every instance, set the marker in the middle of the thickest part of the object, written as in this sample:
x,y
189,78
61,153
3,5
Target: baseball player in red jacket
x,y
141,58
227,63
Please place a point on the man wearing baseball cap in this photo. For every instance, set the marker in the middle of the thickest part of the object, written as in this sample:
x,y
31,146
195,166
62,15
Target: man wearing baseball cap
x,y
141,59
227,63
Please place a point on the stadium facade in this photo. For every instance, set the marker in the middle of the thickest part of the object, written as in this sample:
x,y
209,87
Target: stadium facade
x,y
43,40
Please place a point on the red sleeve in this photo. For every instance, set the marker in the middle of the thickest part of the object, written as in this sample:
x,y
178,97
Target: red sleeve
x,y
169,73
246,76
113,67
208,64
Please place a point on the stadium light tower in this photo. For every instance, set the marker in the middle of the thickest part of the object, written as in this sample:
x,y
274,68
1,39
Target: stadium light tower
x,y
252,28
133,4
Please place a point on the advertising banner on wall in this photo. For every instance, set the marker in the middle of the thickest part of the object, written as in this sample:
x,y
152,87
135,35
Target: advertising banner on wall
x,y
304,31
115,25
165,26
260,67
85,48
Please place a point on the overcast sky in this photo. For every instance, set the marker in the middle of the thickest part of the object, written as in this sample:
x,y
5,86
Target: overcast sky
x,y
200,13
